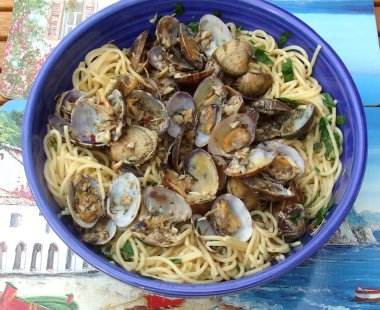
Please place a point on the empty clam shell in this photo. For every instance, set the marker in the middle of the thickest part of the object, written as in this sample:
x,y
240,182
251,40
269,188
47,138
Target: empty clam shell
x,y
189,47
299,123
137,48
213,32
124,198
103,231
136,146
234,56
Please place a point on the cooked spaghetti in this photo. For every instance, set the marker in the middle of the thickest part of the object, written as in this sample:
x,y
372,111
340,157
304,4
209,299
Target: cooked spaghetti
x,y
195,256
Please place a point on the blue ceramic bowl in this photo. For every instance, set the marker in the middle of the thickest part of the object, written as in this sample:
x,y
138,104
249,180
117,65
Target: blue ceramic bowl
x,y
122,22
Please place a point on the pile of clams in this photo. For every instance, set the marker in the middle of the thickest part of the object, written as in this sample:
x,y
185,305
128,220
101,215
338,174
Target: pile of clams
x,y
204,114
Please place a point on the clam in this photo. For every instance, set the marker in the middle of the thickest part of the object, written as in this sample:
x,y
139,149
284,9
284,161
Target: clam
x,y
269,190
181,110
189,47
192,79
58,123
208,117
205,184
66,102
233,105
167,31
146,110
210,91
212,32
165,209
230,217
124,198
288,163
238,188
252,85
156,58
220,165
103,231
232,134
84,200
182,145
202,226
97,122
299,122
136,146
291,222
234,56
125,84
270,106
137,48
251,164
166,88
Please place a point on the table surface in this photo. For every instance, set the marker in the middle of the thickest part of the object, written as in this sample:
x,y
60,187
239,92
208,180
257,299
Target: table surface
x,y
6,7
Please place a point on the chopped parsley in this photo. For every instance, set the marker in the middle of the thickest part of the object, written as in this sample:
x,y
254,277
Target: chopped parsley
x,y
317,146
287,70
193,26
328,101
291,103
337,139
340,120
293,216
284,37
179,8
176,261
317,170
325,137
217,13
322,212
261,56
127,251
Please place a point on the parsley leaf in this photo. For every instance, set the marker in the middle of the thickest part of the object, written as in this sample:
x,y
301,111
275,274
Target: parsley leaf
x,y
217,13
337,139
340,120
293,216
317,170
261,56
317,146
328,101
325,136
284,37
179,8
287,70
322,212
291,103
193,26
176,261
127,250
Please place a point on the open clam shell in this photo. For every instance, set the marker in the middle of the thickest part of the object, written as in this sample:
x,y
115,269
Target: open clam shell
x,y
213,32
167,31
189,47
291,222
229,216
103,231
232,134
66,102
269,190
208,117
137,48
156,58
270,106
238,188
124,199
298,123
288,163
182,146
84,200
181,109
210,91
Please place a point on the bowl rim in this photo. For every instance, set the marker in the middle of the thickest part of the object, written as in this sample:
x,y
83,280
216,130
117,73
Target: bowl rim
x,y
197,290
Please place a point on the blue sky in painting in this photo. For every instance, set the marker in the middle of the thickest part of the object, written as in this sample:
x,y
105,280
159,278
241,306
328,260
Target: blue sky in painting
x,y
354,38
369,195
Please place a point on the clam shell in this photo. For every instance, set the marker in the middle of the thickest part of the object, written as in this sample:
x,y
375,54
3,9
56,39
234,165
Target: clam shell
x,y
103,231
167,31
124,199
291,223
156,58
234,56
269,190
137,48
190,48
208,116
210,91
238,188
136,146
193,78
252,85
299,123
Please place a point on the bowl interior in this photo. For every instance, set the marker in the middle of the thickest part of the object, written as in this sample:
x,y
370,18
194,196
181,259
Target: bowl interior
x,y
121,23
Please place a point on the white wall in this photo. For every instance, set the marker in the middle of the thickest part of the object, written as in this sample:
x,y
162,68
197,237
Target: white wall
x,y
12,175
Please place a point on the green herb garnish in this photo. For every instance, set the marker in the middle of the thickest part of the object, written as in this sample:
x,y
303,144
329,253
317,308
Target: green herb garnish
x,y
325,137
176,261
217,13
193,26
293,216
317,146
291,103
261,56
127,251
328,101
317,170
179,8
284,37
322,212
340,120
107,251
337,139
287,70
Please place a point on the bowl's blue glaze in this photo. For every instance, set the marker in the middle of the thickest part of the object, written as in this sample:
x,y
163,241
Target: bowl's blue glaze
x,y
122,22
